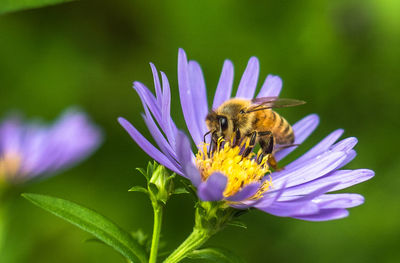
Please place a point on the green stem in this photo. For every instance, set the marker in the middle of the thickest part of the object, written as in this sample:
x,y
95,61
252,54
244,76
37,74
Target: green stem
x,y
3,213
158,212
2,226
197,238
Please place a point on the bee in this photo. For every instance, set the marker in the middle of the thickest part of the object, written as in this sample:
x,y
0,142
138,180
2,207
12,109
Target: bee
x,y
237,119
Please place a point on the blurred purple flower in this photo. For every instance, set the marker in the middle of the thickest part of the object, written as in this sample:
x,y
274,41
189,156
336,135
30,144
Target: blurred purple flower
x,y
298,191
28,150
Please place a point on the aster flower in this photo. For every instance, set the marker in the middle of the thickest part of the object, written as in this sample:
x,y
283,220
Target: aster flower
x,y
301,190
32,149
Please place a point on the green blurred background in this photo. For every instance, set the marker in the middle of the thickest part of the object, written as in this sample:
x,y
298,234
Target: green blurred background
x,y
342,57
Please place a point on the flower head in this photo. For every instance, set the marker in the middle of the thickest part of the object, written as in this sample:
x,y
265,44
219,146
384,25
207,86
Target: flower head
x,y
228,159
28,150
299,191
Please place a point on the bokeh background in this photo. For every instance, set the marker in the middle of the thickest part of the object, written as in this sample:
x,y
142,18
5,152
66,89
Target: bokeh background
x,y
342,57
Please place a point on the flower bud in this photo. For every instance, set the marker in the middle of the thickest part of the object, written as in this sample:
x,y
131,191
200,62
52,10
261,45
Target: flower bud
x,y
160,185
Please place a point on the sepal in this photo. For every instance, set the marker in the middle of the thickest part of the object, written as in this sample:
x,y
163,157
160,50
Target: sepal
x,y
189,187
180,190
144,173
237,223
213,216
138,188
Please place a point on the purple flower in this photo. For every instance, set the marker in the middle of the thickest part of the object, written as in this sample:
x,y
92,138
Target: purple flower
x,y
28,150
301,190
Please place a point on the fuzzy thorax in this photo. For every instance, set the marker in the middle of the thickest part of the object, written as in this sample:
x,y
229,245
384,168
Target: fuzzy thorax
x,y
240,171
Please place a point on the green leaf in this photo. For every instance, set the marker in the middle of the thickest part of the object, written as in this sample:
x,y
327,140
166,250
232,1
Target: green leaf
x,y
94,240
151,168
172,176
7,6
219,255
145,174
138,188
92,222
182,190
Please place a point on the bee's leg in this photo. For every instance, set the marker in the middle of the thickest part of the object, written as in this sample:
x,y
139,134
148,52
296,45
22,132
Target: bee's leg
x,y
210,148
267,146
204,137
266,142
212,145
273,163
237,137
249,149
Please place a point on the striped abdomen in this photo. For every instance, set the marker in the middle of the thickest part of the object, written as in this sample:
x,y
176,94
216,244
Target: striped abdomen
x,y
268,120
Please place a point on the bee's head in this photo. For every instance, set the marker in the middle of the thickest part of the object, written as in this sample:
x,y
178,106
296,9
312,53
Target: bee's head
x,y
219,125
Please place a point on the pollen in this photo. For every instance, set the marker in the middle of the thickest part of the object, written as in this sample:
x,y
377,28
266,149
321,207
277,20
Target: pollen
x,y
228,159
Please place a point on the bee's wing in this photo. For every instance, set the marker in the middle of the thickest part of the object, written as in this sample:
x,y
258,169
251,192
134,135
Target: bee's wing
x,y
264,103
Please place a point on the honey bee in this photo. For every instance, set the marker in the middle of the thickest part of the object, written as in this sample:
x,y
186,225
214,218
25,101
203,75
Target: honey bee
x,y
238,118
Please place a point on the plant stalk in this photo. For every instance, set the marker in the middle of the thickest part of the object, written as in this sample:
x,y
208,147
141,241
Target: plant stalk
x,y
158,213
196,239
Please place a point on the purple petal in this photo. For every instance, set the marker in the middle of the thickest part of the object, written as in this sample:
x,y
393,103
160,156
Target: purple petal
x,y
69,140
325,215
248,83
245,204
302,129
185,158
224,88
148,100
49,149
270,197
159,138
213,188
345,178
339,200
264,201
43,149
35,151
10,135
298,206
48,159
245,193
310,170
350,156
318,149
167,122
345,145
287,209
147,146
309,196
199,95
186,96
271,88
157,84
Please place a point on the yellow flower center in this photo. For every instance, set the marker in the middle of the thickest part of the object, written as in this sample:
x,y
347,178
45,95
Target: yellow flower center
x,y
10,164
239,170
